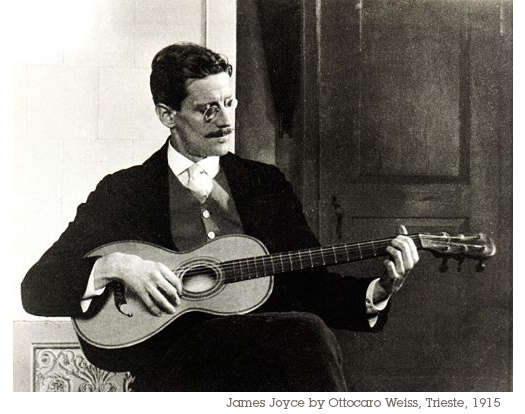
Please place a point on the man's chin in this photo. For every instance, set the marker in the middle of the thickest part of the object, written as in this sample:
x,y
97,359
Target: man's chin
x,y
221,146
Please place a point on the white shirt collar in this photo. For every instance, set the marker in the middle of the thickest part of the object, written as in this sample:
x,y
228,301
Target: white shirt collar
x,y
179,163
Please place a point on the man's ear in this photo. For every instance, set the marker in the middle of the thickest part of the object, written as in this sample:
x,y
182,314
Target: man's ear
x,y
166,115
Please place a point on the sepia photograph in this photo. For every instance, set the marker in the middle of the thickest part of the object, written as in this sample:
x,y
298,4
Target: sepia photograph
x,y
264,196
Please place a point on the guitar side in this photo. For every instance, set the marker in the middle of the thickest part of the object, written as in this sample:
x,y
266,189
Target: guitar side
x,y
112,327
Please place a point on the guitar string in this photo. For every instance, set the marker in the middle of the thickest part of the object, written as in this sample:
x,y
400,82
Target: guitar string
x,y
319,253
258,262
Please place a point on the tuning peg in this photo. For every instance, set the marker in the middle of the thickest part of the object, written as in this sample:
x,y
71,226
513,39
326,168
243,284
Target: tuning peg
x,y
444,265
460,262
480,267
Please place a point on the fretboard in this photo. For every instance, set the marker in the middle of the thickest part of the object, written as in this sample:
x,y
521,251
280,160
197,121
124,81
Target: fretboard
x,y
272,264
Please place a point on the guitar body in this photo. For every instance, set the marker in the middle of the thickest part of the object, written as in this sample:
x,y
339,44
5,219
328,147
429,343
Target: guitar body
x,y
116,325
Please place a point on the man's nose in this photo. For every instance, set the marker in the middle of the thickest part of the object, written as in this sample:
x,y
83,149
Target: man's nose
x,y
225,117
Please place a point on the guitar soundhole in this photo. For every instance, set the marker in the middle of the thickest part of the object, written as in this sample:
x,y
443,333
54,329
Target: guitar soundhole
x,y
200,279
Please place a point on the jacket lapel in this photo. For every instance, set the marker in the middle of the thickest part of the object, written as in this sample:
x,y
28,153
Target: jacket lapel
x,y
243,189
154,222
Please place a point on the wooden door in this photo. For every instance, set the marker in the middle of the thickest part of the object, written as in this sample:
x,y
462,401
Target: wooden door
x,y
406,118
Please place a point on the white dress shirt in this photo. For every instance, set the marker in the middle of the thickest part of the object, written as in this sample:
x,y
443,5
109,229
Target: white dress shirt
x,y
179,165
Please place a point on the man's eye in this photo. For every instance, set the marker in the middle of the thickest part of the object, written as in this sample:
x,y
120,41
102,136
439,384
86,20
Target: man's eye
x,y
230,102
203,108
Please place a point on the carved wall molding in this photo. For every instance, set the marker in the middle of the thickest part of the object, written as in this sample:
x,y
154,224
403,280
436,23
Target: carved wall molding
x,y
64,368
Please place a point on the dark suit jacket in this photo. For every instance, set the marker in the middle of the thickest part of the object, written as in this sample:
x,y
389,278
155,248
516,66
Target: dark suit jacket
x,y
133,204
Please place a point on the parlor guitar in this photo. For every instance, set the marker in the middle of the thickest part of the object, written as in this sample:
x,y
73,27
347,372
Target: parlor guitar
x,y
234,275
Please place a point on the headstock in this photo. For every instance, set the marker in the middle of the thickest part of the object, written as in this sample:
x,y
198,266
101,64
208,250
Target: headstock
x,y
479,247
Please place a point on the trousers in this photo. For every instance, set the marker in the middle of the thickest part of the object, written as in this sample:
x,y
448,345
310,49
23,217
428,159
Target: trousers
x,y
281,351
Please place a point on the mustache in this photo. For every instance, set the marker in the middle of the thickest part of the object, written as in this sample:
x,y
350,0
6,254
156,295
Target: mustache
x,y
219,133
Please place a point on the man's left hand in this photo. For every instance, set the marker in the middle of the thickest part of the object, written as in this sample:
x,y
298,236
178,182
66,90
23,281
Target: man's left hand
x,y
403,258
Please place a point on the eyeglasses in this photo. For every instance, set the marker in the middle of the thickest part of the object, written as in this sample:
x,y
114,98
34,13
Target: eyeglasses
x,y
210,111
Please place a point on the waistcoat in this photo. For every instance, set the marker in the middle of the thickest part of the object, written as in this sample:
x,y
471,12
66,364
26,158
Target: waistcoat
x,y
193,223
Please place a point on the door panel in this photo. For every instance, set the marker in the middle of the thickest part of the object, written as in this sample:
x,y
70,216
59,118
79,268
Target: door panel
x,y
411,100
410,94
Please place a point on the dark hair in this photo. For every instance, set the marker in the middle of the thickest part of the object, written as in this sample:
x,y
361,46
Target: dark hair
x,y
175,64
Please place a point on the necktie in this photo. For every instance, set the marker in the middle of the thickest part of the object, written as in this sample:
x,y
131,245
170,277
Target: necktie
x,y
199,183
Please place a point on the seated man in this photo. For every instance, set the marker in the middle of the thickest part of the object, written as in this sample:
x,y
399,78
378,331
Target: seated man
x,y
190,191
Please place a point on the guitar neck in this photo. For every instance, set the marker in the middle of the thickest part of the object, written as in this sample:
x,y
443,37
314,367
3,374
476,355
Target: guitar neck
x,y
272,264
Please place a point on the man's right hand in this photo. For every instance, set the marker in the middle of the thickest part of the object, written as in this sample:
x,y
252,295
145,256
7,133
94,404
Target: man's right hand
x,y
153,282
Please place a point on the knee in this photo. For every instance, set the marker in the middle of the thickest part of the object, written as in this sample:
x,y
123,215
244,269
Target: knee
x,y
313,320
307,321
312,328
307,335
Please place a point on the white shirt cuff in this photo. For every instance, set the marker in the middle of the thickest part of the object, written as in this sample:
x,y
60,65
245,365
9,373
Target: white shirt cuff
x,y
90,291
372,309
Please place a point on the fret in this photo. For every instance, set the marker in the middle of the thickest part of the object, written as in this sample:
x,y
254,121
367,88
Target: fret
x,y
255,266
346,251
322,255
273,267
299,254
241,272
248,270
290,260
281,259
335,256
311,259
249,264
374,249
234,270
360,252
263,266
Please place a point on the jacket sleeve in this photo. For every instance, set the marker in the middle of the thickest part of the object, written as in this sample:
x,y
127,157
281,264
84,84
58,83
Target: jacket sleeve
x,y
339,301
55,284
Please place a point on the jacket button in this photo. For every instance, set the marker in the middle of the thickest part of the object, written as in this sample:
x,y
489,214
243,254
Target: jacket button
x,y
206,214
211,235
